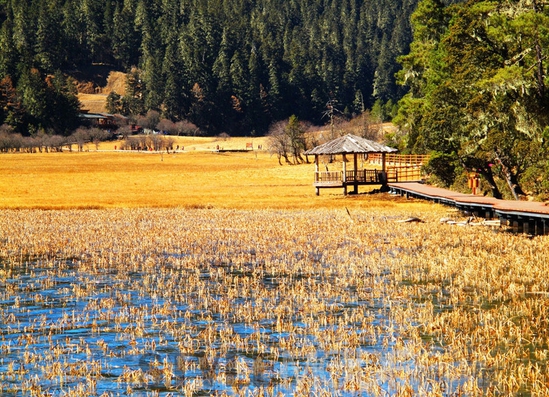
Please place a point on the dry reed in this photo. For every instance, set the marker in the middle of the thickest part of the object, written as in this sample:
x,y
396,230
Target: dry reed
x,y
267,302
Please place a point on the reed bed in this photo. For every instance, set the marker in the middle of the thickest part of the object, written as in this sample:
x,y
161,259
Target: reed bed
x,y
226,302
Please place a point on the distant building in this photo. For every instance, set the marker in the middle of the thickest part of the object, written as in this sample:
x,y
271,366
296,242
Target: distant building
x,y
99,120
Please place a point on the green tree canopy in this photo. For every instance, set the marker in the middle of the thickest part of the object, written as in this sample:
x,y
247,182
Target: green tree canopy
x,y
477,78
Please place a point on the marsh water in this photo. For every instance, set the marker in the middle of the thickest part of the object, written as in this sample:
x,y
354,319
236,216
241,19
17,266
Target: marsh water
x,y
65,331
173,302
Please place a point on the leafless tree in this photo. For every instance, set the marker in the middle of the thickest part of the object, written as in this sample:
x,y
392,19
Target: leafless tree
x,y
185,127
97,135
124,131
132,143
150,120
168,143
80,136
167,126
54,142
279,142
155,142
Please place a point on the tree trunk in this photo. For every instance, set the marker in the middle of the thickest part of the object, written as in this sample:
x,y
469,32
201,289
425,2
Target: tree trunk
x,y
511,179
285,155
484,169
486,173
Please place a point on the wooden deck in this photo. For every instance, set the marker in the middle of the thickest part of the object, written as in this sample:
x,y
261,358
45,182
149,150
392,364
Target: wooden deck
x,y
327,179
523,216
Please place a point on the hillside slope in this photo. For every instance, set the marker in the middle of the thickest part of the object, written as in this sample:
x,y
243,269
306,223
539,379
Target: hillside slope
x,y
96,100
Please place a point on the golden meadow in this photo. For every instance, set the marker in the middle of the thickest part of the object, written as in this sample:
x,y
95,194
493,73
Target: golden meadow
x,y
203,273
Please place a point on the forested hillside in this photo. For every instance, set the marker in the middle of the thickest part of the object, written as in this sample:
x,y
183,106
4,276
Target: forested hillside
x,y
478,99
231,66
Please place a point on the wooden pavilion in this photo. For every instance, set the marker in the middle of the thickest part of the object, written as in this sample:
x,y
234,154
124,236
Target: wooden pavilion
x,y
345,146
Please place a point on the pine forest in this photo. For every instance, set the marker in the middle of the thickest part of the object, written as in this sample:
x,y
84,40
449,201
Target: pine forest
x,y
230,66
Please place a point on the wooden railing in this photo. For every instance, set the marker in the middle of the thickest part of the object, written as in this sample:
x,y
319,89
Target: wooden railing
x,y
404,174
362,176
328,177
401,167
399,159
369,176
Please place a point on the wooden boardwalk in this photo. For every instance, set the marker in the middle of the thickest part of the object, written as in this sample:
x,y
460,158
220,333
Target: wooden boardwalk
x,y
524,216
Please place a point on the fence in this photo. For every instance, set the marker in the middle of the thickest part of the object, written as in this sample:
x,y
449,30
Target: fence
x,y
404,174
399,160
401,167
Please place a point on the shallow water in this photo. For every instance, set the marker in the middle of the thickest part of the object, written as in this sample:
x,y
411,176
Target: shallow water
x,y
65,331
177,302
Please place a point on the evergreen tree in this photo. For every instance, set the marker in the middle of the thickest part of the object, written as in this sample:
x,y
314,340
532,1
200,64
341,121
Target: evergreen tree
x,y
62,105
237,65
8,51
124,40
96,40
74,32
49,42
23,31
133,102
476,94
151,59
31,89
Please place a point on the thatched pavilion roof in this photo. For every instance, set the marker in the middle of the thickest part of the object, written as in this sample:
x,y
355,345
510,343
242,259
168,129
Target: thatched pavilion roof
x,y
350,144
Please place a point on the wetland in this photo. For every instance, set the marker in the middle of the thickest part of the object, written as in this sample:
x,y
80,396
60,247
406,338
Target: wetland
x,y
268,302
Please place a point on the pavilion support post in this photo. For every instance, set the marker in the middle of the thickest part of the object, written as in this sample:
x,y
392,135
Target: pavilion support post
x,y
316,175
383,178
356,173
344,176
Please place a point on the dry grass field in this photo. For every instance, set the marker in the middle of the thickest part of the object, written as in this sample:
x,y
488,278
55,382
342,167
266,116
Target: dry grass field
x,y
94,103
194,177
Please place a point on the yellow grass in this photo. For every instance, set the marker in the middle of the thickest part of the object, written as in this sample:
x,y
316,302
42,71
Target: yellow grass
x,y
97,103
304,300
94,103
195,177
116,82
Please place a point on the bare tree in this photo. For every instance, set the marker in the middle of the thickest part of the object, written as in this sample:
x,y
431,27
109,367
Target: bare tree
x,y
80,136
132,143
167,126
32,143
185,127
335,117
124,131
150,120
7,141
120,120
279,142
97,135
155,142
54,142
